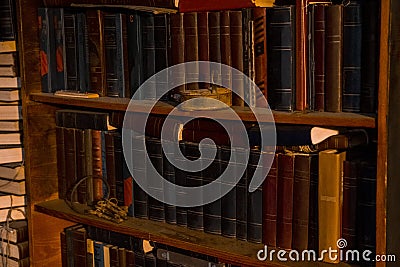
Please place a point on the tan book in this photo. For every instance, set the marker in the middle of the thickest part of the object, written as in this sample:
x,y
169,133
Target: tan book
x,y
8,46
330,201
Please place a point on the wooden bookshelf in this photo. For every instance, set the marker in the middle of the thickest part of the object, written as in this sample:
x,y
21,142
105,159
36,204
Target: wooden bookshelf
x,y
47,215
121,104
225,249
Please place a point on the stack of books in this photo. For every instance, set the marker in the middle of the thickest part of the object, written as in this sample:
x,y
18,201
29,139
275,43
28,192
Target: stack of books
x,y
14,247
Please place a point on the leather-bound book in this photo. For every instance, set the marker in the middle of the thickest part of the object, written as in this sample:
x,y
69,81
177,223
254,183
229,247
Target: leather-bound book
x,y
79,236
162,48
318,55
281,73
8,23
115,29
203,47
59,49
70,161
241,194
226,56
313,237
180,179
121,256
302,72
177,48
97,54
135,51
71,51
114,260
82,119
148,54
134,259
111,165
154,151
349,219
284,227
140,197
127,187
64,249
81,170
61,167
304,166
195,215
370,55
213,210
330,193
229,201
150,260
214,31
190,23
83,52
350,139
236,34
352,40
97,162
254,201
208,5
260,48
169,175
270,201
334,58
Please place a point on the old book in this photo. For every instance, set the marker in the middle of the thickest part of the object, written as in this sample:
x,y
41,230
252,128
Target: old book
x,y
10,111
83,52
7,200
370,55
236,33
203,47
8,46
59,49
305,166
284,227
16,251
334,58
10,82
12,125
190,22
16,213
18,233
10,138
89,252
270,202
302,72
180,179
10,154
352,46
149,57
97,165
162,50
10,262
47,59
12,186
8,59
8,23
67,182
229,201
111,164
226,56
71,51
189,6
169,174
96,39
83,119
8,71
241,194
15,170
140,197
81,166
214,23
10,94
135,51
254,201
116,55
177,49
260,49
98,253
281,57
134,259
330,199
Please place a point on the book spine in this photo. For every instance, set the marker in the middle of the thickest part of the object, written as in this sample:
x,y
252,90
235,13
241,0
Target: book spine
x,y
47,59
70,161
285,201
319,56
81,171
98,254
89,252
79,247
229,201
178,49
154,150
260,50
270,201
236,35
128,186
169,175
214,43
241,195
313,237
135,50
254,206
161,41
114,261
97,163
203,47
61,160
302,82
60,57
190,22
180,179
140,197
8,23
111,164
226,56
148,44
64,249
71,51
334,59
370,56
281,58
352,37
83,52
97,59
212,211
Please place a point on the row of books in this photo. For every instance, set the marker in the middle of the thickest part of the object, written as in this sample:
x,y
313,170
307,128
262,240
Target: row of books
x,y
87,246
283,212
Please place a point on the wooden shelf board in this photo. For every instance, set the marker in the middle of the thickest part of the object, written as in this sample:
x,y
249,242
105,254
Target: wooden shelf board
x,y
225,249
120,104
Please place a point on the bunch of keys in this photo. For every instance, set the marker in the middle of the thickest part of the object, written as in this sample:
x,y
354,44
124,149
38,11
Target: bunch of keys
x,y
109,210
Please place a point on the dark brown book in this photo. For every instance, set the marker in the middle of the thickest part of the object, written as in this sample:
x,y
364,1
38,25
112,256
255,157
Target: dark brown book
x,y
114,257
61,170
302,81
260,48
226,57
131,259
79,246
304,166
236,35
349,213
334,60
284,230
19,232
344,141
70,161
81,171
64,255
270,199
95,28
191,49
319,56
89,165
111,164
178,48
214,22
97,166
204,47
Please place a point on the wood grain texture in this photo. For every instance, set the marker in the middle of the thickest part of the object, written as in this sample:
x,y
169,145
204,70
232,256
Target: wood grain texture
x,y
226,249
121,104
